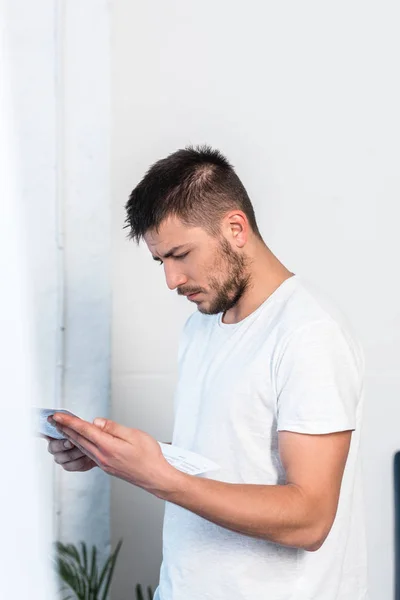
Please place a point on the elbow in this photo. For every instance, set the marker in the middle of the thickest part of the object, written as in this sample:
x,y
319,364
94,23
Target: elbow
x,y
310,538
313,546
316,538
313,526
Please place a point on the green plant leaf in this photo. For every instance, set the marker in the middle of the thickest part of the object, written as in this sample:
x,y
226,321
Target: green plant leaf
x,y
73,552
71,575
93,577
84,555
93,566
70,570
73,570
94,586
139,593
68,550
109,569
104,571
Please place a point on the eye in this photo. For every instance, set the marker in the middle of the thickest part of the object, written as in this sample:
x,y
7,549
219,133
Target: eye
x,y
160,262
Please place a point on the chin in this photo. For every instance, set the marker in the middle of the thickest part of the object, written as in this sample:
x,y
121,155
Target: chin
x,y
207,311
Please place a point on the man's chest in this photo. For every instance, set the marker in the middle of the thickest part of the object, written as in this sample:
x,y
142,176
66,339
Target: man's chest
x,y
225,405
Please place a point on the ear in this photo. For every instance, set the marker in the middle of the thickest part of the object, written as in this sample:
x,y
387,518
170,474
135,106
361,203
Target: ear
x,y
238,227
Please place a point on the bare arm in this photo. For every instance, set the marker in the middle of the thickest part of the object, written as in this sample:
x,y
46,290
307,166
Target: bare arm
x,y
299,513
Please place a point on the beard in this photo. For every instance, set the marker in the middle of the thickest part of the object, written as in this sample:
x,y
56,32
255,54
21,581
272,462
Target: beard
x,y
232,283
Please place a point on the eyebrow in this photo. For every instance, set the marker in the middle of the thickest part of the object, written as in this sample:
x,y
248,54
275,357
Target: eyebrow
x,y
170,253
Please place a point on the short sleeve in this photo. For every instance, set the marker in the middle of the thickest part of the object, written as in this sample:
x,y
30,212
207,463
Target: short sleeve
x,y
318,380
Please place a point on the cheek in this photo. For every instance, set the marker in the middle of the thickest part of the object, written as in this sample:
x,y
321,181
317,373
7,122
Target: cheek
x,y
213,282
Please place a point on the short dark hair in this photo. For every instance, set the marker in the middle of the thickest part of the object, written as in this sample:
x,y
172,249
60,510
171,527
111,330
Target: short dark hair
x,y
196,184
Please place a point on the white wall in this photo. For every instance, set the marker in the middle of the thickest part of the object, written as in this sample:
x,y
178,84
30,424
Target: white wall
x,y
24,509
85,175
32,57
303,98
58,53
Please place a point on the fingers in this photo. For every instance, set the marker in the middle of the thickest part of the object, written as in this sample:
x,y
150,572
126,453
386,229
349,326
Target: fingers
x,y
80,428
59,445
93,432
83,464
80,442
72,459
64,457
64,451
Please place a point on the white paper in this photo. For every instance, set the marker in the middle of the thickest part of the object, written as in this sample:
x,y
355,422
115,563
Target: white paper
x,y
187,461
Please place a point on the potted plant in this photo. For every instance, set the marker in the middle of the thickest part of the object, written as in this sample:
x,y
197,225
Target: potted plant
x,y
82,577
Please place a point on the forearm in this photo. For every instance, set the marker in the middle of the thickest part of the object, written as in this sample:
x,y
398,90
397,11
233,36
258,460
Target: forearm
x,y
278,513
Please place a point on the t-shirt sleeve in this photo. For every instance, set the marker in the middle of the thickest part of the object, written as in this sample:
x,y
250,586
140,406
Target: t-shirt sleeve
x,y
317,381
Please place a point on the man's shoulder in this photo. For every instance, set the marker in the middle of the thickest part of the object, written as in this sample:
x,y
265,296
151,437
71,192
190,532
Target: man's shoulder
x,y
310,304
310,309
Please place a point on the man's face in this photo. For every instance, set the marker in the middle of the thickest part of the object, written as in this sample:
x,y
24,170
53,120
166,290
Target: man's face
x,y
200,263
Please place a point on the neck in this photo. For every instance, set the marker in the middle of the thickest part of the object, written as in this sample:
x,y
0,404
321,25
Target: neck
x,y
267,273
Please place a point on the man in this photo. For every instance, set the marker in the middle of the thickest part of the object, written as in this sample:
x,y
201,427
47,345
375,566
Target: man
x,y
270,388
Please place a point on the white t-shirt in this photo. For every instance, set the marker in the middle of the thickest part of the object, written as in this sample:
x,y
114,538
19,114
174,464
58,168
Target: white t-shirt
x,y
290,365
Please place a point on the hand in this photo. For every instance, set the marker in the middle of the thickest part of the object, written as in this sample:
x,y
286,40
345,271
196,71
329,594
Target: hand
x,y
68,456
129,454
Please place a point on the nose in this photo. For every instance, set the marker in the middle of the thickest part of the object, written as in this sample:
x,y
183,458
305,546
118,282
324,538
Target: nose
x,y
173,277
